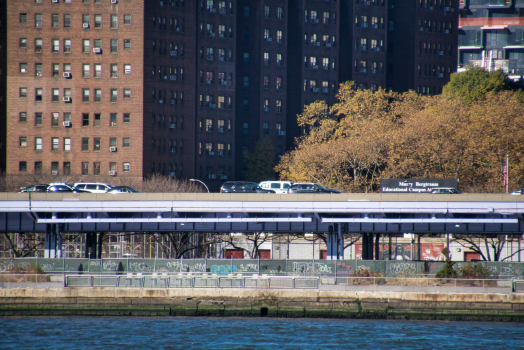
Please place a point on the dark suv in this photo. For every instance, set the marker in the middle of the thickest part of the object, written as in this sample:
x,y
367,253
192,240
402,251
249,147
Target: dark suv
x,y
309,188
242,187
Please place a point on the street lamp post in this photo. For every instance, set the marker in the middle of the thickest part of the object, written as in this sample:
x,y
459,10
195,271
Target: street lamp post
x,y
202,182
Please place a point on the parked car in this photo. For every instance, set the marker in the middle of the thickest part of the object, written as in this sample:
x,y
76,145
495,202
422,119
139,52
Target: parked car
x,y
34,188
521,191
122,189
444,190
277,186
93,187
310,188
64,188
243,187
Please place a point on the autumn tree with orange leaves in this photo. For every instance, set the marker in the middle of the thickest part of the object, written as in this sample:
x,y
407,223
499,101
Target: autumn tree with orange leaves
x,y
367,136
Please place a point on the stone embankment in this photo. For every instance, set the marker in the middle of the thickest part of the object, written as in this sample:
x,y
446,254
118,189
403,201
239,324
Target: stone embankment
x,y
256,302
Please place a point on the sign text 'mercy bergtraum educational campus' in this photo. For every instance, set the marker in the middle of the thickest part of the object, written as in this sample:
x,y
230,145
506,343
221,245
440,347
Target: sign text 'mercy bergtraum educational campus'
x,y
415,185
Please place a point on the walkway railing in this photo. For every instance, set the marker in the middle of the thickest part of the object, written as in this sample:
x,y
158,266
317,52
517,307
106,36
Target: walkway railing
x,y
193,281
264,281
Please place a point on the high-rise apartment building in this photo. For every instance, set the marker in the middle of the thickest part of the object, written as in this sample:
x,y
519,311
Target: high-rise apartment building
x,y
491,35
183,88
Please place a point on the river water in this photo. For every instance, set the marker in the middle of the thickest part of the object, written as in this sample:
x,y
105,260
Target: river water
x,y
252,333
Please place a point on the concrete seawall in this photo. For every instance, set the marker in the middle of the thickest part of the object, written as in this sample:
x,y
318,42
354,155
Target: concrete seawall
x,y
275,303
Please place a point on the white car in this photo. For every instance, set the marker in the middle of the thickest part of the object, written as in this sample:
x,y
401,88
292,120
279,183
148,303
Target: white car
x,y
93,187
277,186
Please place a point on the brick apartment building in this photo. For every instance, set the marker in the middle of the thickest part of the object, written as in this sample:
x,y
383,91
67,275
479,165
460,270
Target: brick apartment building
x,y
129,88
491,35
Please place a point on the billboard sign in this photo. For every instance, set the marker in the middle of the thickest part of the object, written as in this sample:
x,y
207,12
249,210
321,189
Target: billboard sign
x,y
414,185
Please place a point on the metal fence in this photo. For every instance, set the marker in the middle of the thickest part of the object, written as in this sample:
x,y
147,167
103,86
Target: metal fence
x,y
224,267
264,281
138,280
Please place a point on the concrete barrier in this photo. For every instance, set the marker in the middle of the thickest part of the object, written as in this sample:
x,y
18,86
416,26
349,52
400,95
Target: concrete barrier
x,y
262,302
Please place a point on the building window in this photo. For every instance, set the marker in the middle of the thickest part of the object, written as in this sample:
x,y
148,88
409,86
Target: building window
x,y
54,143
98,21
38,94
23,142
127,93
38,143
23,18
97,121
245,128
55,117
127,117
85,144
67,168
85,45
114,95
127,19
279,106
266,82
85,119
38,45
85,168
126,167
67,143
112,119
126,142
55,95
23,43
85,95
56,45
266,58
114,21
96,144
98,95
279,60
38,20
127,44
54,20
67,21
22,166
127,69
22,117
38,119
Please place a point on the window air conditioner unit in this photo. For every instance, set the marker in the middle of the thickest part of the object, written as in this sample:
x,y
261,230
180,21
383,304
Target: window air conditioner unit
x,y
55,1
172,150
112,172
67,75
281,133
211,153
172,126
114,1
172,174
54,172
67,124
67,99
112,149
97,50
85,25
223,177
212,176
160,101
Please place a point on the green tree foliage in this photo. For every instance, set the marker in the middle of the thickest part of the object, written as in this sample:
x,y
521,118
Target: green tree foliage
x,y
260,162
367,136
475,83
447,271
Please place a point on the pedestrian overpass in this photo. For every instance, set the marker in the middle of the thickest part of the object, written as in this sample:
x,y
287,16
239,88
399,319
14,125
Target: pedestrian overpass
x,y
335,214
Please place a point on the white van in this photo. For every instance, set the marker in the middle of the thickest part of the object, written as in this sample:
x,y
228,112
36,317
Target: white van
x,y
277,186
